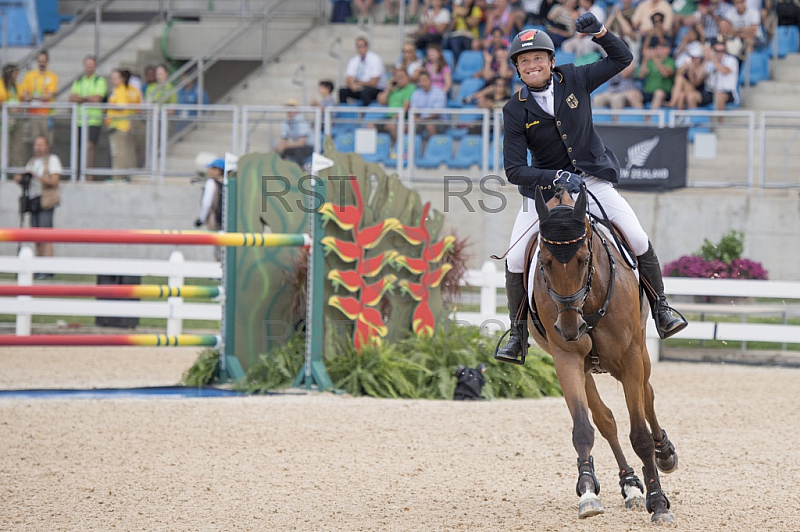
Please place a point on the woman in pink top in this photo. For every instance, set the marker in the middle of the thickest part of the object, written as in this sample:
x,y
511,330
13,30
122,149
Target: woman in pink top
x,y
438,68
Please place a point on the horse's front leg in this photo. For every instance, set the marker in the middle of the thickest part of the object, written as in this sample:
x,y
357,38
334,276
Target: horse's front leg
x,y
569,368
630,485
666,456
636,393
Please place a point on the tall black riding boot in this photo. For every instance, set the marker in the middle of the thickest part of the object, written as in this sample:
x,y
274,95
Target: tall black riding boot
x,y
666,322
517,347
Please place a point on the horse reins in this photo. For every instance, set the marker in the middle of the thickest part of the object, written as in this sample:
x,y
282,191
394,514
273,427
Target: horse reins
x,y
581,295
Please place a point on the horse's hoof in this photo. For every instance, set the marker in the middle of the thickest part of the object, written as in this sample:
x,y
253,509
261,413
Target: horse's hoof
x,y
663,518
634,498
589,505
669,464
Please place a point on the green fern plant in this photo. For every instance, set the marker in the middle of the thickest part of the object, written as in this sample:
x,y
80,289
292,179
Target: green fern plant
x,y
204,369
275,370
729,248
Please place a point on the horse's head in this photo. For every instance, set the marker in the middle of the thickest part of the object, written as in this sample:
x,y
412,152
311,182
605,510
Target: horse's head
x,y
565,259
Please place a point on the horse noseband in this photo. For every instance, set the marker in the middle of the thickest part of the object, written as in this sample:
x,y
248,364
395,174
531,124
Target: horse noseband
x,y
575,301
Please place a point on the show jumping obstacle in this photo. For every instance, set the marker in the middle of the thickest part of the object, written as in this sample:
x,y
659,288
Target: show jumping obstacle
x,y
155,340
129,291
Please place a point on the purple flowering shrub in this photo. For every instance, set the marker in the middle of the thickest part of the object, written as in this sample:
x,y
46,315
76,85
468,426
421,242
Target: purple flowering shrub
x,y
717,261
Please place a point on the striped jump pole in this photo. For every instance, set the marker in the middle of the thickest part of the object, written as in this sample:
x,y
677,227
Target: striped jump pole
x,y
123,291
189,238
154,340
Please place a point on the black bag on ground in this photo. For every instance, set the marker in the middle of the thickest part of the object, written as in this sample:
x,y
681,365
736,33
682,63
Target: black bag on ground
x,y
469,383
112,321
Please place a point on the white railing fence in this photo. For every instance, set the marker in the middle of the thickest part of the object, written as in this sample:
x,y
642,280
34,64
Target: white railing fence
x,y
729,296
174,309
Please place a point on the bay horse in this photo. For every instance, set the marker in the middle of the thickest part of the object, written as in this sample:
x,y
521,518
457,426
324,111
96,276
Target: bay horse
x,y
588,314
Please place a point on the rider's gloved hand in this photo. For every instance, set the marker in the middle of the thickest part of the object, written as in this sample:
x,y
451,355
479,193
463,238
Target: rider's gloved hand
x,y
588,23
568,180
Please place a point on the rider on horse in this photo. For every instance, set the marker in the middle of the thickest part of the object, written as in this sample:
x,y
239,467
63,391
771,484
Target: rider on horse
x,y
552,117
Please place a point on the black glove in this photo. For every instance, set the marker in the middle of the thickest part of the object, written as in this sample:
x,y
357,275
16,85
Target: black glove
x,y
198,222
588,23
571,182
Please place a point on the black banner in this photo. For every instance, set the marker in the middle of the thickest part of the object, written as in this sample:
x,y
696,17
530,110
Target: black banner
x,y
650,158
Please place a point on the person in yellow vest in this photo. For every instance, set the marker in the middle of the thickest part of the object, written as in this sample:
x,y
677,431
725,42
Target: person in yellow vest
x,y
39,86
89,88
9,93
121,142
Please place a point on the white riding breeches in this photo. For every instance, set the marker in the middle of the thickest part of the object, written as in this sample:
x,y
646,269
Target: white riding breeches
x,y
617,209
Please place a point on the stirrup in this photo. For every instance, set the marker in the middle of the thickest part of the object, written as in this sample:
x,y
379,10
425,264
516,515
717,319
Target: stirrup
x,y
675,330
519,361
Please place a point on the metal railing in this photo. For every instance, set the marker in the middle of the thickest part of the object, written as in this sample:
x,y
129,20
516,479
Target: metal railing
x,y
725,148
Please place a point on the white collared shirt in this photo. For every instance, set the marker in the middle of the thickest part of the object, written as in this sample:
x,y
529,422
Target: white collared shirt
x,y
545,99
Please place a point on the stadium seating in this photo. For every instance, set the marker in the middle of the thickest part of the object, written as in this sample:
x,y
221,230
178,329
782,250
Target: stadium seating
x,y
449,58
439,150
468,152
345,142
469,62
788,40
382,150
759,68
466,88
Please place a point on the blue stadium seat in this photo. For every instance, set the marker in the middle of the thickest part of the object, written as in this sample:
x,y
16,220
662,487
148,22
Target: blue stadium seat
x,y
463,123
345,142
382,150
562,58
439,150
759,68
466,88
469,152
469,62
449,58
788,40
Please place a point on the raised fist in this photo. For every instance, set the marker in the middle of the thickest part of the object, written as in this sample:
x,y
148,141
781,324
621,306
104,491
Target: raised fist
x,y
588,23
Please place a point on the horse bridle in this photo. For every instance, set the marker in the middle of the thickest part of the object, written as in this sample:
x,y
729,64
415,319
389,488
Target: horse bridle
x,y
570,302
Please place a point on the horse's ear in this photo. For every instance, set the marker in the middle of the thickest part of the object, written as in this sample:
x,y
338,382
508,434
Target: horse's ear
x,y
580,205
541,207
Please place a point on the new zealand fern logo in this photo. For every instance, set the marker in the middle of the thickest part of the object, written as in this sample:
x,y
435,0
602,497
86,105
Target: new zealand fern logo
x,y
640,152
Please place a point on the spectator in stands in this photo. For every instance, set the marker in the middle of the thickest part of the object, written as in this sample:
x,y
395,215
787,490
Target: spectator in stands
x,y
658,72
496,66
622,91
409,61
393,11
464,27
426,96
496,39
580,43
561,21
788,12
149,80
659,32
363,76
211,201
690,78
43,188
363,7
691,35
188,93
120,138
89,88
493,96
137,126
398,94
10,93
722,78
295,132
438,69
642,18
713,17
501,15
433,24
163,92
535,11
746,26
620,23
39,86
325,91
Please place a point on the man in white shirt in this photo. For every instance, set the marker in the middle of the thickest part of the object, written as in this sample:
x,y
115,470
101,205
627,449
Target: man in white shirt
x,y
364,76
723,77
746,25
40,182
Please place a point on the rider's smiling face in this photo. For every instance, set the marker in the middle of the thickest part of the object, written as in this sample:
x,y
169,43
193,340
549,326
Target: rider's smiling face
x,y
535,67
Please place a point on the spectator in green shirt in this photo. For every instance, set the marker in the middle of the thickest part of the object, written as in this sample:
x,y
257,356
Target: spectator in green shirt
x,y
397,94
163,92
658,72
89,88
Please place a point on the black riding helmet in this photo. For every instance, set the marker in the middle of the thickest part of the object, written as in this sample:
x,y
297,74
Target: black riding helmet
x,y
529,40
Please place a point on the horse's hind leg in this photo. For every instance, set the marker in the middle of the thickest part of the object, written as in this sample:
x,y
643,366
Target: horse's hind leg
x,y
571,377
666,456
630,485
638,394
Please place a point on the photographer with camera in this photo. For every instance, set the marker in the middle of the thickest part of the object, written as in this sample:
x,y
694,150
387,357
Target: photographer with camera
x,y
40,192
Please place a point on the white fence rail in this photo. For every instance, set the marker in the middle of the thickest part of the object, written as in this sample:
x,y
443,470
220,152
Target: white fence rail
x,y
734,294
174,309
